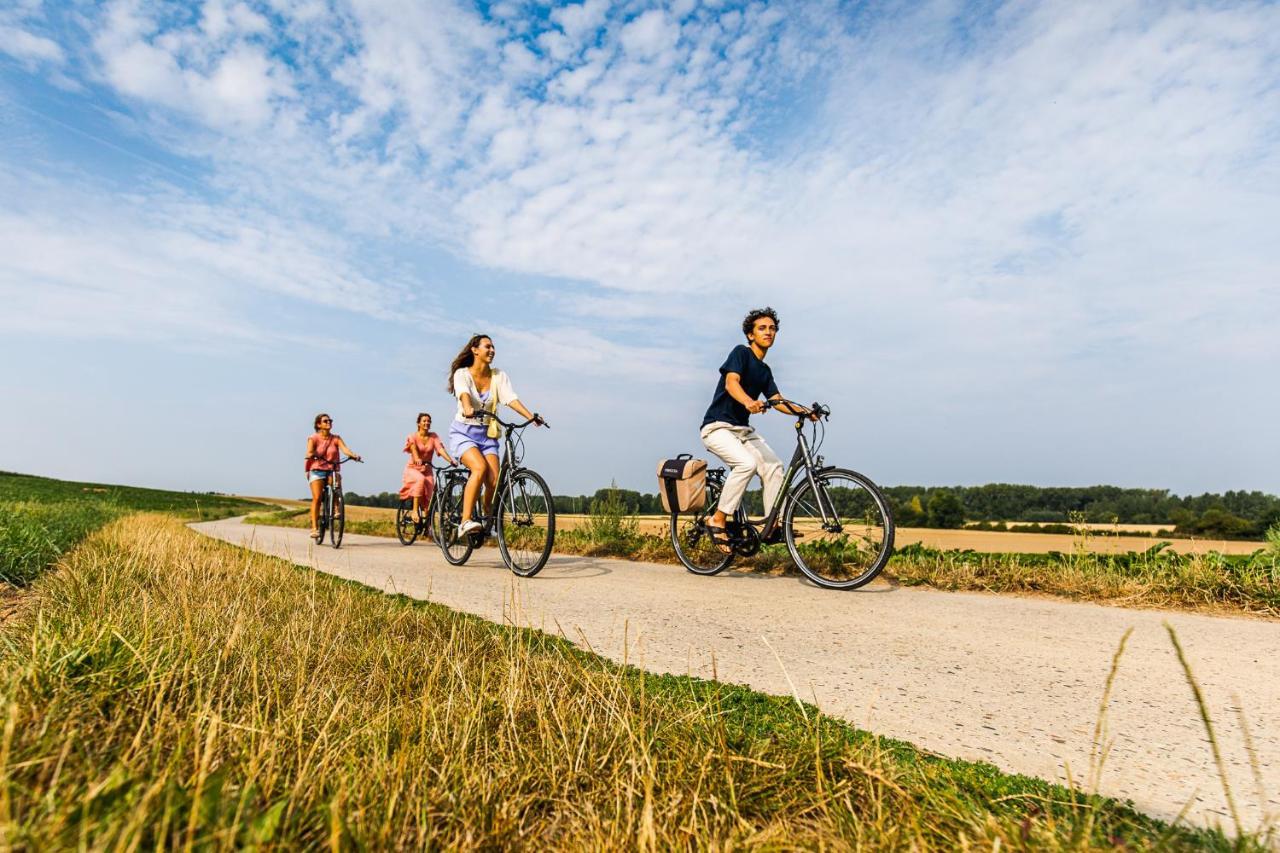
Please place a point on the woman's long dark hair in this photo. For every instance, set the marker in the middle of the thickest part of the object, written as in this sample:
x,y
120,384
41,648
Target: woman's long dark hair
x,y
466,358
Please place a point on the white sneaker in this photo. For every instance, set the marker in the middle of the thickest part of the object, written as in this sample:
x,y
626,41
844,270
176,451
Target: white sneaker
x,y
469,526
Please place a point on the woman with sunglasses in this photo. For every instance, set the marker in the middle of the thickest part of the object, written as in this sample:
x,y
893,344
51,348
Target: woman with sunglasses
x,y
324,449
480,387
419,478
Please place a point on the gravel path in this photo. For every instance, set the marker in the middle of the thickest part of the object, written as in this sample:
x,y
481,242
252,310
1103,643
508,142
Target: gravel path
x,y
1010,680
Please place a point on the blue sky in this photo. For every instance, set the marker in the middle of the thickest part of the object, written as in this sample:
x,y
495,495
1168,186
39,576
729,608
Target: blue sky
x,y
1015,242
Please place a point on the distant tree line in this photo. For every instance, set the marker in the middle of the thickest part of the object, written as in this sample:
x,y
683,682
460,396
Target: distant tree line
x,y
1235,514
383,499
1231,515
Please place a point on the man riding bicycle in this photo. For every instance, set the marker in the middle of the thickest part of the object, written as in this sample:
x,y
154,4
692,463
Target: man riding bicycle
x,y
726,429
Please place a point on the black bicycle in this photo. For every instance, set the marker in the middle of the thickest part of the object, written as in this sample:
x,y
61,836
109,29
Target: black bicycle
x,y
524,517
410,526
835,522
332,518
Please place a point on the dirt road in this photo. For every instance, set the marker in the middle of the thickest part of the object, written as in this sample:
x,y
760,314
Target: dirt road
x,y
1010,680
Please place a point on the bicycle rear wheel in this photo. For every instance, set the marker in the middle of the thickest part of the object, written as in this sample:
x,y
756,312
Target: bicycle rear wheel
x,y
339,522
692,541
456,549
406,524
841,534
526,523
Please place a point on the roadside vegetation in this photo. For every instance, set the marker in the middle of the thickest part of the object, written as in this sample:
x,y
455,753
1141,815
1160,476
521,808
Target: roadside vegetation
x,y
40,518
1157,577
165,689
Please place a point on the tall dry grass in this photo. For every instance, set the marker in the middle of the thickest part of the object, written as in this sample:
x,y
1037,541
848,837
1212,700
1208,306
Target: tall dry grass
x,y
164,689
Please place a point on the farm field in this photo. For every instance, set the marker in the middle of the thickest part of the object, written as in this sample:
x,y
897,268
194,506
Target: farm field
x,y
994,542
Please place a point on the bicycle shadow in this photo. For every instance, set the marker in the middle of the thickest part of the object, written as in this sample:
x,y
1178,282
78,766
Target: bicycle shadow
x,y
567,568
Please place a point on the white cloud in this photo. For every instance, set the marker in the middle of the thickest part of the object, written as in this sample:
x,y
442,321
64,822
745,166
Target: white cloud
x,y
28,47
86,262
210,71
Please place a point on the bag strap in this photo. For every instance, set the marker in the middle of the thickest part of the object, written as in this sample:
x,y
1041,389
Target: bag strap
x,y
673,500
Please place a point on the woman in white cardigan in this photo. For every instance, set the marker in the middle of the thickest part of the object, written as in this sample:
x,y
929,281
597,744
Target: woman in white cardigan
x,y
479,386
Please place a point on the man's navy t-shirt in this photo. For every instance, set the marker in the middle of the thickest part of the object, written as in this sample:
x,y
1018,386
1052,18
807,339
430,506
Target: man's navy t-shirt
x,y
756,379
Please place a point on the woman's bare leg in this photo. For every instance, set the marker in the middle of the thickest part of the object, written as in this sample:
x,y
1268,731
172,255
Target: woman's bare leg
x,y
475,462
490,482
317,486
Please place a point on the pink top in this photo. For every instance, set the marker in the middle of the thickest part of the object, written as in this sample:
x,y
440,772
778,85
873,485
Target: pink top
x,y
427,447
327,450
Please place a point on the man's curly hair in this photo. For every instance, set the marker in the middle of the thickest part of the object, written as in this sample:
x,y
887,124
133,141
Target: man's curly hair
x,y
749,322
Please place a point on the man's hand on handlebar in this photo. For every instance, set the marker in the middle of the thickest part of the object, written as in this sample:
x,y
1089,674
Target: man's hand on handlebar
x,y
757,407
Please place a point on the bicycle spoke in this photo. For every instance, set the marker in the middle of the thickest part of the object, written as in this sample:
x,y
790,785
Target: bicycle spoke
x,y
848,544
692,541
526,523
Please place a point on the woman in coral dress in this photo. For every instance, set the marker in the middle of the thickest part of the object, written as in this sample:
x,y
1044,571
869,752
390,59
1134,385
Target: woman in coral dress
x,y
419,478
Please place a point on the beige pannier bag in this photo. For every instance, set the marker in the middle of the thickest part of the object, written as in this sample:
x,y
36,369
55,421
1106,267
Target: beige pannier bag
x,y
682,483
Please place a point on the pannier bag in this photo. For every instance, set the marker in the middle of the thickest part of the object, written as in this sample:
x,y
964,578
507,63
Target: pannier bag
x,y
682,483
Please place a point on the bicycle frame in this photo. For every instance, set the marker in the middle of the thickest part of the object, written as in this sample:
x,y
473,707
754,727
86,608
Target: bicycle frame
x,y
802,460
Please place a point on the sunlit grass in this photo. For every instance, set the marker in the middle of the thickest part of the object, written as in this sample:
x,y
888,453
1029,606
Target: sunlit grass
x,y
165,689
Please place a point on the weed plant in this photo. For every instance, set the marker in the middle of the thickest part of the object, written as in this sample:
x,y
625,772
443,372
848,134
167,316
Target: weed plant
x,y
165,689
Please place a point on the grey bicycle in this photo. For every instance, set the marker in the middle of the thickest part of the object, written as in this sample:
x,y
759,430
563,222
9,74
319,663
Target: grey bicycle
x,y
524,516
332,518
836,523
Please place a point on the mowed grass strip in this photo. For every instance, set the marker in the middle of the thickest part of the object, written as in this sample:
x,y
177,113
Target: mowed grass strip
x,y
165,689
1155,578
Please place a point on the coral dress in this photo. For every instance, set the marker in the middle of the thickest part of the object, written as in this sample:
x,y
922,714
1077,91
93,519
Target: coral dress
x,y
420,480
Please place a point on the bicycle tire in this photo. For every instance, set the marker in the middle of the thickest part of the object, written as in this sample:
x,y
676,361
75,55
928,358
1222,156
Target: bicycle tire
x,y
837,563
526,517
339,523
406,524
456,550
691,541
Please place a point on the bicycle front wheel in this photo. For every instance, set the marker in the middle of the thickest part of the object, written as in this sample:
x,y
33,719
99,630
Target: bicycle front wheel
x,y
840,533
692,540
526,524
406,525
448,500
339,522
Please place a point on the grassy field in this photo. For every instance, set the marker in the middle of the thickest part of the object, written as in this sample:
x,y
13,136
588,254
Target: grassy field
x,y
164,689
1157,576
40,517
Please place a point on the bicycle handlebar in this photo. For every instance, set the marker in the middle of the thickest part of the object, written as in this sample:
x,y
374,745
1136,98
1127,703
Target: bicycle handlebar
x,y
537,418
815,409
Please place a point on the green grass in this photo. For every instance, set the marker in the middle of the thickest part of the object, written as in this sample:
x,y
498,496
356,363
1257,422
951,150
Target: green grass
x,y
40,518
164,689
189,505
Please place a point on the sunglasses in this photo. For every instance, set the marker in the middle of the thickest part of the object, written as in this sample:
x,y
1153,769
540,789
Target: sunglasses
x,y
326,420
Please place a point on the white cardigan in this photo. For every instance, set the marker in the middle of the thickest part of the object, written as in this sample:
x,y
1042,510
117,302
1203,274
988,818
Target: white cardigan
x,y
499,389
